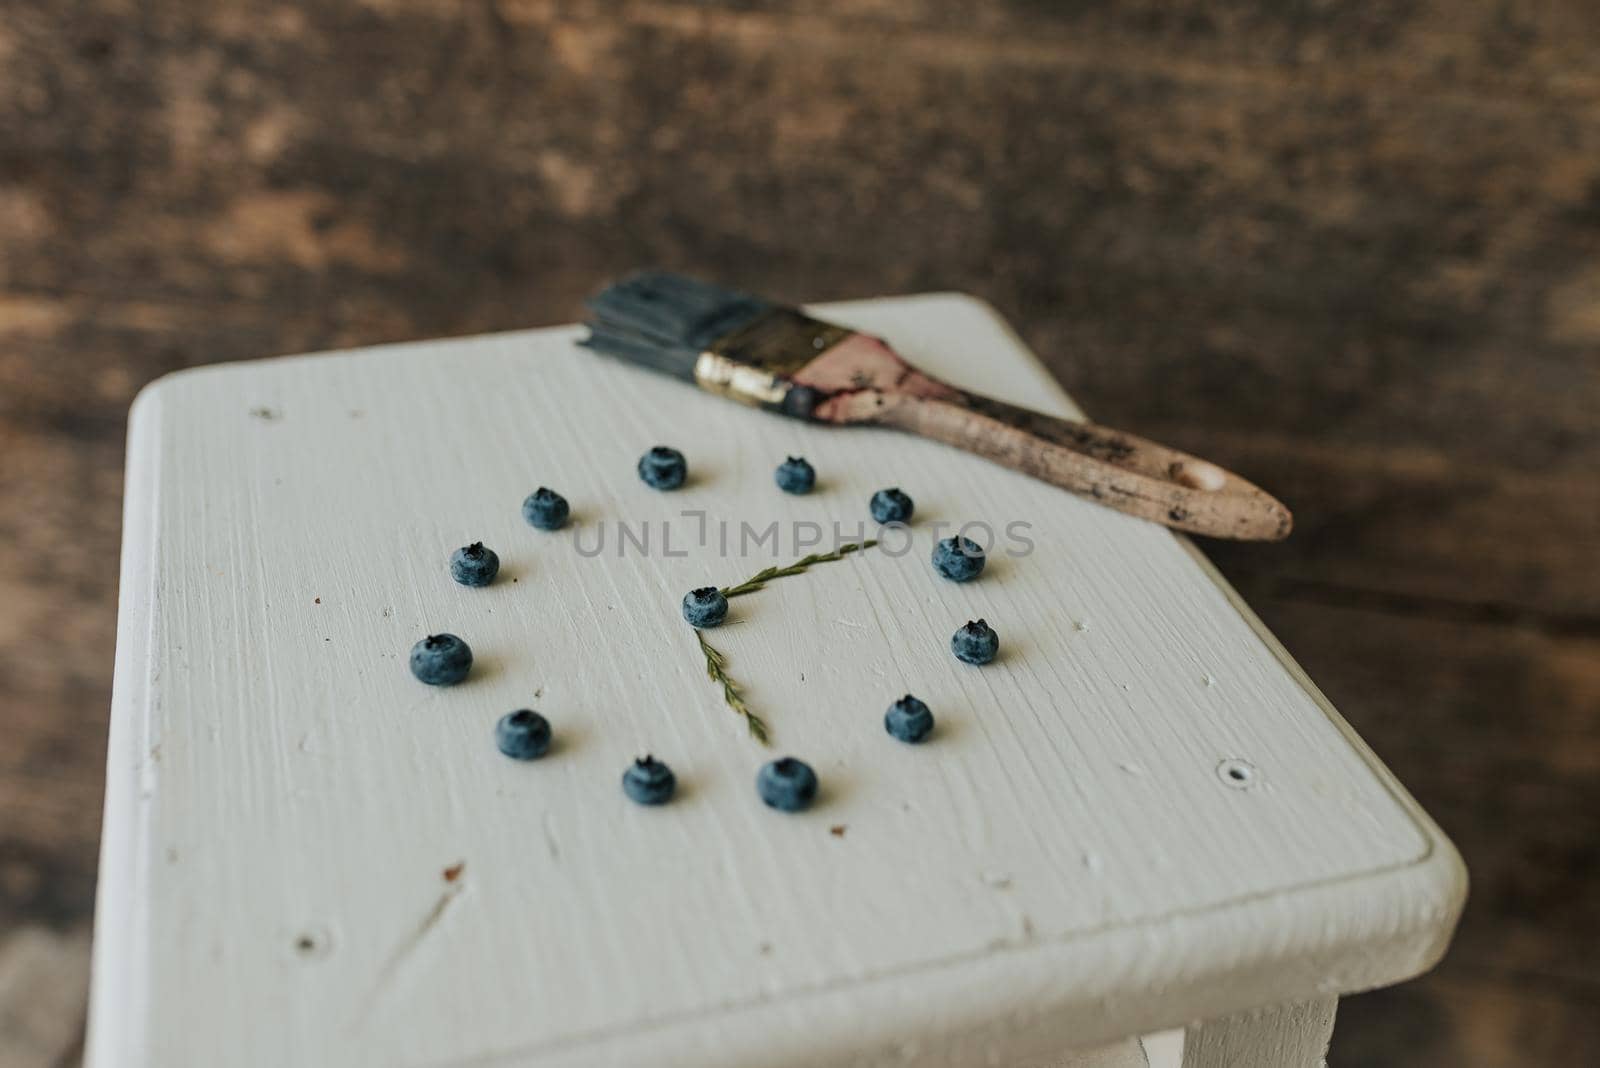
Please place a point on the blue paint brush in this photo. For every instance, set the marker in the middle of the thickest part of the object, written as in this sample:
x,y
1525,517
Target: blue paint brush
x,y
781,359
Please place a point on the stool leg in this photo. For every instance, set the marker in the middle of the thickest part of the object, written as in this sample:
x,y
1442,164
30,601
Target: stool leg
x,y
1283,1036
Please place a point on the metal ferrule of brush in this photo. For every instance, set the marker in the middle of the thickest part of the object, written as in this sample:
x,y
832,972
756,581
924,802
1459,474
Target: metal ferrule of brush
x,y
755,364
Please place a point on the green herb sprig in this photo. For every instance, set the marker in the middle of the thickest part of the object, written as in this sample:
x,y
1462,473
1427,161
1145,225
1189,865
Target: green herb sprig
x,y
717,672
760,579
717,664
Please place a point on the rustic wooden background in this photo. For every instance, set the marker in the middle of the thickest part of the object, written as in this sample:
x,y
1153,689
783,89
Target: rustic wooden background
x,y
1352,250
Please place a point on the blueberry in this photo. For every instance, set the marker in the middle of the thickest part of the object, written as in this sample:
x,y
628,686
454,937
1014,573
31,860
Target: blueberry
x,y
975,643
794,475
441,660
473,565
787,784
663,468
908,719
891,506
705,607
649,782
523,734
958,559
545,509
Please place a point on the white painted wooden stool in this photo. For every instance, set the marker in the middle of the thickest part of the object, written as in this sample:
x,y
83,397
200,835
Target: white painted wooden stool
x,y
1143,816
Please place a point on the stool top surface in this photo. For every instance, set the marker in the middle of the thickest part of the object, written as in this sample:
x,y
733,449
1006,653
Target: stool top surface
x,y
1142,813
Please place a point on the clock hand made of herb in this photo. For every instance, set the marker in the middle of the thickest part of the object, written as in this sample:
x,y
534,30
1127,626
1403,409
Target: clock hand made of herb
x,y
708,607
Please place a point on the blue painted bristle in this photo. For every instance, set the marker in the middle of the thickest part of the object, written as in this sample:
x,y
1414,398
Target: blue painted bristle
x,y
664,321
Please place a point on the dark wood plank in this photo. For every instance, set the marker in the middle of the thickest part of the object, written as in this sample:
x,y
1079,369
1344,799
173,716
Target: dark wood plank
x,y
1411,523
1495,728
1194,242
43,978
1205,232
1419,530
58,574
1450,1021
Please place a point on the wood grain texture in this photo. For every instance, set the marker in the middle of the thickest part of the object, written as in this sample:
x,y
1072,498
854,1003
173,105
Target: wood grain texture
x,y
1076,857
43,976
1346,250
1517,793
1374,247
1285,1036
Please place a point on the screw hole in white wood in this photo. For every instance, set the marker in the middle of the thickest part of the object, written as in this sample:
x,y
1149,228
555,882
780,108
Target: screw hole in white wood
x,y
1239,774
313,943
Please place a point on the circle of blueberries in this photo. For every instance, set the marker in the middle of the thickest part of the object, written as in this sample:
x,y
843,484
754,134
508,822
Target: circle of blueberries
x,y
787,784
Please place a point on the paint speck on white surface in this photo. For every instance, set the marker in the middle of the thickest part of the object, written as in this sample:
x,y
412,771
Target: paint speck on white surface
x,y
1080,624
407,947
313,943
1093,864
997,879
1208,679
1131,768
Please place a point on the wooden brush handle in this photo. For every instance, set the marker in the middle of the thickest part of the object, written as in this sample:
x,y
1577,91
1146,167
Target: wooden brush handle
x,y
1120,470
860,379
